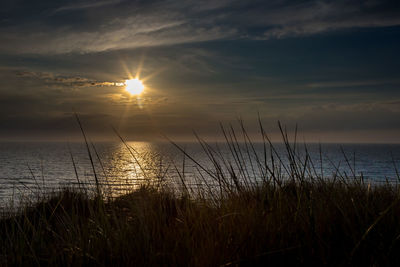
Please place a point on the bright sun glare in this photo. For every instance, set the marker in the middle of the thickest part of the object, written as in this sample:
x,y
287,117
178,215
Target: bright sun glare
x,y
134,86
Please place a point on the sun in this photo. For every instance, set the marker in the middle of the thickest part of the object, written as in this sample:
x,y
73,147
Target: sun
x,y
134,86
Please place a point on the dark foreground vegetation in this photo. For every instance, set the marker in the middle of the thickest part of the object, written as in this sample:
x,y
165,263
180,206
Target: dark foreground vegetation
x,y
303,219
320,223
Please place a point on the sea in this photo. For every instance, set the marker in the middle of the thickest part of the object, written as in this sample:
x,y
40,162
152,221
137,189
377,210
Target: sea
x,y
31,169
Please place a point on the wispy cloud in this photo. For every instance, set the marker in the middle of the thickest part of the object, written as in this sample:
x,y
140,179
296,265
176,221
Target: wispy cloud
x,y
359,83
96,26
72,82
86,5
313,17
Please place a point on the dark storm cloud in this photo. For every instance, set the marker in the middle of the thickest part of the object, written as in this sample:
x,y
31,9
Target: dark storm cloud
x,y
92,26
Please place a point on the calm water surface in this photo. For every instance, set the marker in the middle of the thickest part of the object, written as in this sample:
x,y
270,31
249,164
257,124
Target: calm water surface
x,y
32,168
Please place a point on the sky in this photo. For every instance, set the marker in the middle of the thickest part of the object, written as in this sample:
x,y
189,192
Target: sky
x,y
330,67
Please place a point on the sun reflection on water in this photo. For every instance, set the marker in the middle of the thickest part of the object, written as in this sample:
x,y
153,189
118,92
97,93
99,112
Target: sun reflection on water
x,y
127,168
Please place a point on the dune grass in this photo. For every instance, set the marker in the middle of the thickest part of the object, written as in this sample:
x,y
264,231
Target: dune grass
x,y
290,216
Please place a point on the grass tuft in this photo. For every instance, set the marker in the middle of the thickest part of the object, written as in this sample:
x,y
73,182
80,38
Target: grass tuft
x,y
290,215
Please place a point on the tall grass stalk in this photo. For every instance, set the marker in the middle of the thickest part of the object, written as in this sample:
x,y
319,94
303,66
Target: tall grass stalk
x,y
249,207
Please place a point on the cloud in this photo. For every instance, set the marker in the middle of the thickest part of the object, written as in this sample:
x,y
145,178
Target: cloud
x,y
48,77
126,35
124,26
359,83
87,27
313,17
86,5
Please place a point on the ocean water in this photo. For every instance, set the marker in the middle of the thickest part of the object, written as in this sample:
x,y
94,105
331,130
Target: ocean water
x,y
28,169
